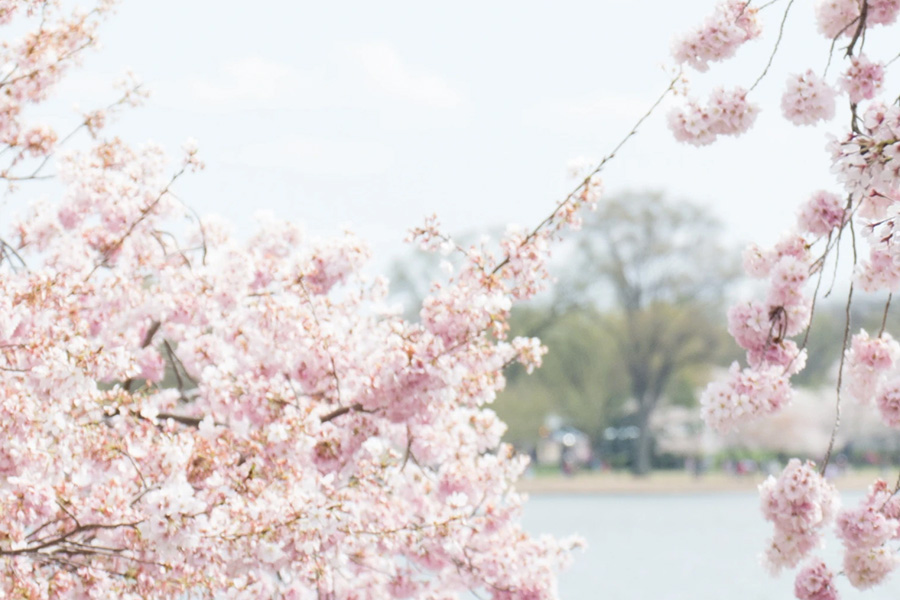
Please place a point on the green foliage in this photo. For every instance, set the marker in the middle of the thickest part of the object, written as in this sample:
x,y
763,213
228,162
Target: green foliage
x,y
580,380
827,332
635,320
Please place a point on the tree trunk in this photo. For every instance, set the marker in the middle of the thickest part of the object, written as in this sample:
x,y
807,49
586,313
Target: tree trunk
x,y
640,465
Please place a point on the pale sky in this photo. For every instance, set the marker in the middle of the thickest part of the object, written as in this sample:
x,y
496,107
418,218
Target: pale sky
x,y
373,115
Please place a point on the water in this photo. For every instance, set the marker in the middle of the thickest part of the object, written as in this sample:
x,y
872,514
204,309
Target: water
x,y
675,547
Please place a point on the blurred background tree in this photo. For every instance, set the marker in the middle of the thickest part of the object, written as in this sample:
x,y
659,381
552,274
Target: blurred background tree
x,y
645,281
634,325
634,320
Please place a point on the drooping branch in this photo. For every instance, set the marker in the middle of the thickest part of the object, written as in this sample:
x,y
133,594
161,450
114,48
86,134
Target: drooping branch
x,y
775,48
585,184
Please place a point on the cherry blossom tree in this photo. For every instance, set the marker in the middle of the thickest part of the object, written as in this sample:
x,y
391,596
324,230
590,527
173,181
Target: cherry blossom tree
x,y
666,269
187,415
860,216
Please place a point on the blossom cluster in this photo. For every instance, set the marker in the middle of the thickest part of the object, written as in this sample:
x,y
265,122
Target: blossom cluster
x,y
863,214
727,113
869,362
763,329
807,99
815,581
733,23
867,162
836,17
865,532
862,79
841,17
800,504
822,214
744,394
194,401
190,414
31,66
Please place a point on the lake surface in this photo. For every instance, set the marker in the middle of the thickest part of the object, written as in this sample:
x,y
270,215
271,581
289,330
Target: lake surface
x,y
675,547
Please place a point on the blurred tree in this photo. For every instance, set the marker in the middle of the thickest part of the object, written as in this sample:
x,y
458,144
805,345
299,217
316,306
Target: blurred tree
x,y
636,313
657,268
827,331
577,381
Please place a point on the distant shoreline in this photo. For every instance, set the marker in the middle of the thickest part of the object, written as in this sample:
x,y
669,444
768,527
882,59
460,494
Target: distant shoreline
x,y
672,482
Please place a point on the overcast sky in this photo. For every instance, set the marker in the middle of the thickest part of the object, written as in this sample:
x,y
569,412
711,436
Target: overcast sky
x,y
373,115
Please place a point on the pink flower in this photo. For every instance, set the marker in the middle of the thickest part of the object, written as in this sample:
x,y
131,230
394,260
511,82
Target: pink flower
x,y
865,527
39,140
800,502
815,582
867,364
807,99
787,279
728,113
731,112
869,566
781,353
880,272
744,395
692,123
788,548
862,79
888,402
822,213
748,323
733,23
836,16
882,12
757,262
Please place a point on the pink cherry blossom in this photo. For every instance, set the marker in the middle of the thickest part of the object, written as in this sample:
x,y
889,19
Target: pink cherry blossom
x,y
882,12
868,362
821,214
835,17
862,79
757,262
799,503
888,402
867,567
865,162
807,99
733,23
865,527
728,113
865,216
750,326
746,394
815,581
188,413
879,272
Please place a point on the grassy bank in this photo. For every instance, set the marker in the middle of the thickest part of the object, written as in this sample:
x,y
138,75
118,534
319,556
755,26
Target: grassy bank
x,y
671,482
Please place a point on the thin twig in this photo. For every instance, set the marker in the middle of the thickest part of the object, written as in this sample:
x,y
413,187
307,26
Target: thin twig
x,y
343,410
184,420
892,61
834,43
887,306
767,5
775,49
840,377
587,180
